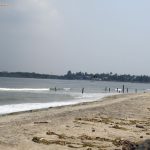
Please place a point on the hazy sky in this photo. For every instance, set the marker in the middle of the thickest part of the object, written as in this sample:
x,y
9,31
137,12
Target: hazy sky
x,y
94,36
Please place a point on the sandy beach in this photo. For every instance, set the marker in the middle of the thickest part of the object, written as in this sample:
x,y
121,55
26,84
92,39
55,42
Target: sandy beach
x,y
117,122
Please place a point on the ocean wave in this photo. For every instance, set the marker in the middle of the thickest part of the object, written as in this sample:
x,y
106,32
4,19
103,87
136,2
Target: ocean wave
x,y
7,109
33,89
59,89
24,89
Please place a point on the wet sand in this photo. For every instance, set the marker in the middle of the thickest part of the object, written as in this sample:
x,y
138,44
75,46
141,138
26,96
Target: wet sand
x,y
116,122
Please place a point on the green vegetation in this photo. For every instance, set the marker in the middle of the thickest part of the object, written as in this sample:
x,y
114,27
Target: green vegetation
x,y
80,76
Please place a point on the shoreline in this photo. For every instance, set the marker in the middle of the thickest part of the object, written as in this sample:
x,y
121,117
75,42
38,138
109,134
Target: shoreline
x,y
56,107
25,107
104,124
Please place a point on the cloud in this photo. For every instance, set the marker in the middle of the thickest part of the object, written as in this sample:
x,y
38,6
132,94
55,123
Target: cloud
x,y
55,36
31,18
30,30
36,16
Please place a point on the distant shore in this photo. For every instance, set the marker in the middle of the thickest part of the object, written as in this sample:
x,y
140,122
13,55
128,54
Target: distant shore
x,y
81,76
115,122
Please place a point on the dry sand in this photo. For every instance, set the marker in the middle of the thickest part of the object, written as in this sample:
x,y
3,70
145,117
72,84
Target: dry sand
x,y
115,122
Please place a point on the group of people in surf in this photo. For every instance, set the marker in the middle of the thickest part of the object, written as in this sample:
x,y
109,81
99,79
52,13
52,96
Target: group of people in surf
x,y
55,89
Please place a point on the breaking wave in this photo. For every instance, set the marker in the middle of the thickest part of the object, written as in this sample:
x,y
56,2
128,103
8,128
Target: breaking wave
x,y
7,109
23,89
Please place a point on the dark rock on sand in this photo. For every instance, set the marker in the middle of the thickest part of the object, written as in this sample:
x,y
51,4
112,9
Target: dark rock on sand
x,y
144,145
128,145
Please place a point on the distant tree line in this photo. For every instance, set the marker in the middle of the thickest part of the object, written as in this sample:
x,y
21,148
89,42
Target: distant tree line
x,y
81,76
27,75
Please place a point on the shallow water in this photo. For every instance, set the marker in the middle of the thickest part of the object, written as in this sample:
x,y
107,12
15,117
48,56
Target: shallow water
x,y
20,94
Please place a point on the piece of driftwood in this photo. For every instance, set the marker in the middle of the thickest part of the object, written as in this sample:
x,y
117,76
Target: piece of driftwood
x,y
139,126
40,122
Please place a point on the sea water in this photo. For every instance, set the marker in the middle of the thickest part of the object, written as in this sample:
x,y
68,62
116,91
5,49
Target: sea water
x,y
22,94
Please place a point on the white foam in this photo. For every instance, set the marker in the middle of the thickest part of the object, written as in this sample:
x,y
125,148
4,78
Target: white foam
x,y
24,89
119,90
66,89
6,109
93,96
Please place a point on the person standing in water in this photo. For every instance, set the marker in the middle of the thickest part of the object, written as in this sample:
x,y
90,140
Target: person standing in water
x,y
105,89
55,89
127,90
82,90
123,88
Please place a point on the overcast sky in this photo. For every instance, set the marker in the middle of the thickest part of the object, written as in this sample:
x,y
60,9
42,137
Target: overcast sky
x,y
94,36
